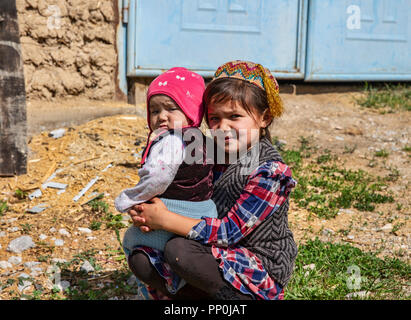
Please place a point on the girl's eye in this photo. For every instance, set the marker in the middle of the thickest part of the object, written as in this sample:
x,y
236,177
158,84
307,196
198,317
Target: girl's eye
x,y
234,116
213,119
154,112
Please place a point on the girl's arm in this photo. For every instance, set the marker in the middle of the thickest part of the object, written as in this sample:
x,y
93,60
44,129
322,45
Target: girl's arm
x,y
154,215
266,191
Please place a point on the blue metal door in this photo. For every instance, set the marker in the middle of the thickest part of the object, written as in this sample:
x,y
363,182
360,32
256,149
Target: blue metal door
x,y
202,34
359,40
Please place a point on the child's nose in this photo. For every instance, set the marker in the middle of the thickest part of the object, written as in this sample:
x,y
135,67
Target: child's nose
x,y
162,115
224,125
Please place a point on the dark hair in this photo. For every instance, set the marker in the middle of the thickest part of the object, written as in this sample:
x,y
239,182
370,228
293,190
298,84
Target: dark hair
x,y
252,98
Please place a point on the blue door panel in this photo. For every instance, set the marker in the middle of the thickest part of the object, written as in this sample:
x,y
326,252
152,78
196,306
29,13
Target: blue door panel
x,y
359,40
202,34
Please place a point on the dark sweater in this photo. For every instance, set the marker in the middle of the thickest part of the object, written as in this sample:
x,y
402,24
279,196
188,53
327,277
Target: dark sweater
x,y
272,241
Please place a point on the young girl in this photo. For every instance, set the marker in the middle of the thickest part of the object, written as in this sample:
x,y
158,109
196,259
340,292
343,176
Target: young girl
x,y
174,112
248,252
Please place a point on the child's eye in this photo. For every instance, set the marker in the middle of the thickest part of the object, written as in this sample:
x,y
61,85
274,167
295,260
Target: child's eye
x,y
234,116
154,112
213,119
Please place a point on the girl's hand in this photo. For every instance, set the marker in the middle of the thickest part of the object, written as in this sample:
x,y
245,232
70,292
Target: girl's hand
x,y
154,215
149,214
138,221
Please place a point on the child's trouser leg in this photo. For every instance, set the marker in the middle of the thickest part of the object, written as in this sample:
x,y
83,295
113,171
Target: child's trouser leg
x,y
142,268
195,263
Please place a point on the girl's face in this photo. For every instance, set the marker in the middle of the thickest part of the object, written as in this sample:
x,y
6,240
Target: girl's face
x,y
241,129
166,114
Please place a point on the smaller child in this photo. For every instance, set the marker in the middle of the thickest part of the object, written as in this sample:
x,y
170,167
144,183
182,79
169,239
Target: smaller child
x,y
174,110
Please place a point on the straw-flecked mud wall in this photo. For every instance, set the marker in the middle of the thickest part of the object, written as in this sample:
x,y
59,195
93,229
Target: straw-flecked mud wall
x,y
69,48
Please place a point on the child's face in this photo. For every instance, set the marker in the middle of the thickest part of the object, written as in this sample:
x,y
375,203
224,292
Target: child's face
x,y
242,130
166,114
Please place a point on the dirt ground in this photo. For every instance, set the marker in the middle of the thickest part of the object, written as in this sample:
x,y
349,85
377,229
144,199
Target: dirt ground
x,y
108,148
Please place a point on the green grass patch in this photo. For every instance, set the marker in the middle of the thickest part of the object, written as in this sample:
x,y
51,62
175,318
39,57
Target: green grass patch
x,y
3,207
382,153
325,186
20,194
341,269
387,98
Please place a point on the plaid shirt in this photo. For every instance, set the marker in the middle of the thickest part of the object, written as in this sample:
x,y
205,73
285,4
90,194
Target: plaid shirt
x,y
267,189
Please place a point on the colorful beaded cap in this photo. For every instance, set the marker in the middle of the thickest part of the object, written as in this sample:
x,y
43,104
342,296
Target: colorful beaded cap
x,y
255,74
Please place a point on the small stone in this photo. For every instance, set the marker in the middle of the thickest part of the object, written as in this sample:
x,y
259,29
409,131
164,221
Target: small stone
x,y
58,242
2,234
328,232
24,284
309,266
13,229
36,271
58,260
31,264
42,237
339,138
58,133
84,230
52,230
87,267
15,260
350,237
347,211
132,280
91,238
63,285
5,265
21,244
387,227
64,232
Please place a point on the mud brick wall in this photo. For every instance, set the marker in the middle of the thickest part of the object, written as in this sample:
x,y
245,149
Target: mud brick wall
x,y
69,48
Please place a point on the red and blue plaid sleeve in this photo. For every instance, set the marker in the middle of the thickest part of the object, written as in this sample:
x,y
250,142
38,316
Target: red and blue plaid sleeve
x,y
267,189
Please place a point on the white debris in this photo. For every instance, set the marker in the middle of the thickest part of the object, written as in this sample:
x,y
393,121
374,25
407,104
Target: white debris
x,y
64,232
42,237
5,265
35,194
15,260
21,244
58,133
85,189
37,209
59,242
84,230
87,267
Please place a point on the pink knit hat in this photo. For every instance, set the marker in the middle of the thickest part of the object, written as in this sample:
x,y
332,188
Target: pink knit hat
x,y
185,87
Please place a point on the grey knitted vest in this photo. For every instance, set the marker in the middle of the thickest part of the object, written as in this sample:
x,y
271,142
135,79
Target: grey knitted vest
x,y
272,241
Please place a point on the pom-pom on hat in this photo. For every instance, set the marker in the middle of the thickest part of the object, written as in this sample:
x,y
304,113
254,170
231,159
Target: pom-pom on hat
x,y
185,87
258,75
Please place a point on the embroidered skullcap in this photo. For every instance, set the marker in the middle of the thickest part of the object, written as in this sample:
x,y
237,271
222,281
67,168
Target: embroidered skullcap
x,y
258,75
